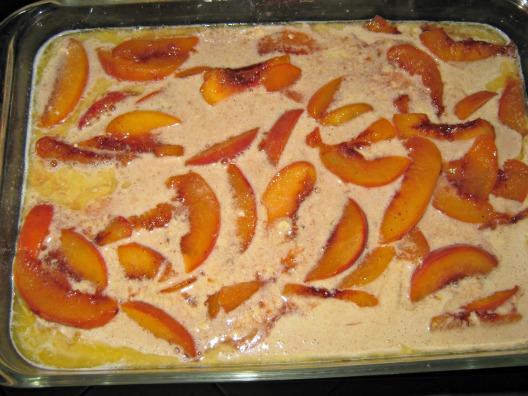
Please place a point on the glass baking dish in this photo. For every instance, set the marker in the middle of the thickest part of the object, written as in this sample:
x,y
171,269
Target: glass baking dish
x,y
22,34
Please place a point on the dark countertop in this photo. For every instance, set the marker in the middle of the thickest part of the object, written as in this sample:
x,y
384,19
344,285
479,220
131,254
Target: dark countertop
x,y
503,381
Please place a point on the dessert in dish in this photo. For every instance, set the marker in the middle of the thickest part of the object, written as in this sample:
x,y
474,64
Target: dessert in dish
x,y
270,193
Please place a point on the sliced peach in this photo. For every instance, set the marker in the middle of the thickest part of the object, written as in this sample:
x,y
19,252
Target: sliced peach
x,y
226,150
101,106
278,77
471,103
449,264
419,181
180,285
493,318
35,229
119,228
511,181
416,124
287,42
287,190
492,301
231,297
360,298
275,139
203,214
48,147
145,60
192,71
344,246
143,50
417,62
48,294
168,150
449,321
139,261
378,131
160,324
444,47
46,290
349,165
137,123
379,24
368,270
82,258
480,168
69,85
402,102
345,113
149,95
413,246
221,83
321,99
512,106
157,217
505,219
246,206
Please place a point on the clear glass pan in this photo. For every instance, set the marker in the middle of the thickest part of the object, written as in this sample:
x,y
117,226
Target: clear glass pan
x,y
24,32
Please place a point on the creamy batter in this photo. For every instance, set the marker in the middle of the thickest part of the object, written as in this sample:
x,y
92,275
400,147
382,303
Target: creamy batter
x,y
268,327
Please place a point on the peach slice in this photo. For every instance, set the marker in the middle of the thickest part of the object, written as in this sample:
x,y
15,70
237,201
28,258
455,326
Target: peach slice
x,y
49,294
280,76
119,228
344,246
226,150
168,150
321,99
360,298
203,214
444,47
370,268
492,301
449,321
471,103
231,297
287,42
379,24
345,113
34,231
479,169
349,165
512,106
143,50
413,246
51,148
493,318
287,190
417,62
378,131
449,264
139,261
149,95
146,60
82,258
457,205
419,181
193,71
101,106
180,285
221,83
417,124
46,290
511,181
69,85
138,123
246,206
402,102
160,324
157,217
275,139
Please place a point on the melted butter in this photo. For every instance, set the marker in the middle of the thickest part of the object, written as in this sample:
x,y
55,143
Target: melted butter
x,y
267,327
